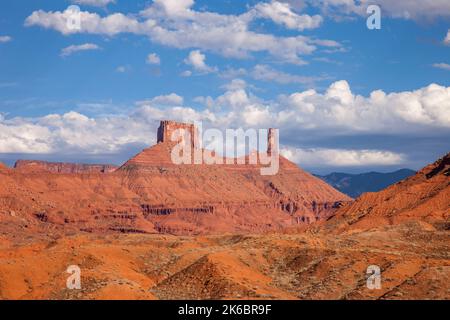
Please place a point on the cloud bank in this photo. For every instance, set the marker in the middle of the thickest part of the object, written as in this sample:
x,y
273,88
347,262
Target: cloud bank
x,y
337,111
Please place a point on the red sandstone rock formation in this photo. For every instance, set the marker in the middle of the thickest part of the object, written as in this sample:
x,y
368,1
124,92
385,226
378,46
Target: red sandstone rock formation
x,y
168,129
151,194
272,139
60,167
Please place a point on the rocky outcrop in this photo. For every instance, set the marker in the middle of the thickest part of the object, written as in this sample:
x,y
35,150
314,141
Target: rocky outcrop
x,y
272,140
167,129
163,210
442,166
60,167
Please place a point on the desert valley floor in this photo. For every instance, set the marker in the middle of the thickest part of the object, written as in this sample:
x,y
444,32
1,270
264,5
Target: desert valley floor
x,y
413,258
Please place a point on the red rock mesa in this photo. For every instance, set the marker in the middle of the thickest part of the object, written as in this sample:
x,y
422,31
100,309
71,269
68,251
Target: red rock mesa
x,y
149,194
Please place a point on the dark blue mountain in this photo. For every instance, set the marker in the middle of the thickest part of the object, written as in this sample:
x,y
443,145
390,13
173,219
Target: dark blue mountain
x,y
356,184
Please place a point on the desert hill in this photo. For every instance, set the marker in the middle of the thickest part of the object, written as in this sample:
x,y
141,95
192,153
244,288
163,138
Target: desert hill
x,y
422,197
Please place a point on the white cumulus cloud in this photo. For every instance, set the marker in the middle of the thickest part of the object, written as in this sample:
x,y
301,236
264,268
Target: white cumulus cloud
x,y
174,7
197,60
4,39
447,38
172,99
338,107
281,13
443,66
341,157
72,132
335,112
90,22
266,73
153,58
123,69
175,24
75,48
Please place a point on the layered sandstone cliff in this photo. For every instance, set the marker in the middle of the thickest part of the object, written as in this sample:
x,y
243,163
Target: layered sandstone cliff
x,y
149,193
61,167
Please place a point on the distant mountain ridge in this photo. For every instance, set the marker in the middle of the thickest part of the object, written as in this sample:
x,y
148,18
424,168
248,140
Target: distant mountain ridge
x,y
354,185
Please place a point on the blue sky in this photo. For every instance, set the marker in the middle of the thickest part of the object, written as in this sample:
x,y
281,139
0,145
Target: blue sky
x,y
307,67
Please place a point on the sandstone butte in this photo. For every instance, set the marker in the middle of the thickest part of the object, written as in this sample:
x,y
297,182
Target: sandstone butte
x,y
150,194
249,236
